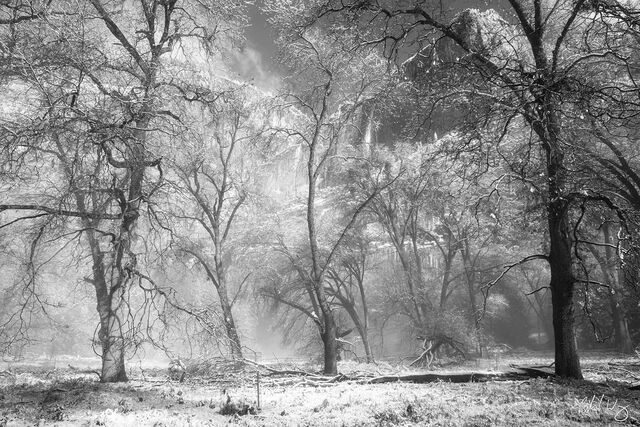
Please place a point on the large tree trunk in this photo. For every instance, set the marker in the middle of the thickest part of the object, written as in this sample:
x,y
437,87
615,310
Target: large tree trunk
x,y
229,324
111,338
113,351
110,334
567,362
109,297
328,328
547,126
566,349
329,336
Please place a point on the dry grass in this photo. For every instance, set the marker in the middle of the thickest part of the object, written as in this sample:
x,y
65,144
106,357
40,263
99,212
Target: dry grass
x,y
61,397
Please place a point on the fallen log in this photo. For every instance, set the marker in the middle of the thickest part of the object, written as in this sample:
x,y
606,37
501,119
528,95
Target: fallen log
x,y
519,373
536,371
83,371
273,371
431,378
621,367
627,365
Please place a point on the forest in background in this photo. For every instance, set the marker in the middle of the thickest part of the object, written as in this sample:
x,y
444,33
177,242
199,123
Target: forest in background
x,y
461,175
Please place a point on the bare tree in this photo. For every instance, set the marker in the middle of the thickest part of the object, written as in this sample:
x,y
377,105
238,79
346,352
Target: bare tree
x,y
214,177
93,86
330,85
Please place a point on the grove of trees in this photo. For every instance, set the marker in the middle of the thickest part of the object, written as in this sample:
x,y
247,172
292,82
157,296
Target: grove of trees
x,y
423,170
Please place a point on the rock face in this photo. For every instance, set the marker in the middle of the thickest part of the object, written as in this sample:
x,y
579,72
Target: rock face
x,y
489,34
486,33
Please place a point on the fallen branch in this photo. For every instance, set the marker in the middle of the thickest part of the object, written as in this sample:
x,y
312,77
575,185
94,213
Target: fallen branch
x,y
422,359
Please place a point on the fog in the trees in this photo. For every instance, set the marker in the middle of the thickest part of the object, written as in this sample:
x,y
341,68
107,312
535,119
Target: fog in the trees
x,y
318,181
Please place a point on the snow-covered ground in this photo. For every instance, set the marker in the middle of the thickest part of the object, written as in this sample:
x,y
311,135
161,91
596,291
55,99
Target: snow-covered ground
x,y
40,395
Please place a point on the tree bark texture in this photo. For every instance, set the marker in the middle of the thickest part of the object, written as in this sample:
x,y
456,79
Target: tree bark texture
x,y
567,362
